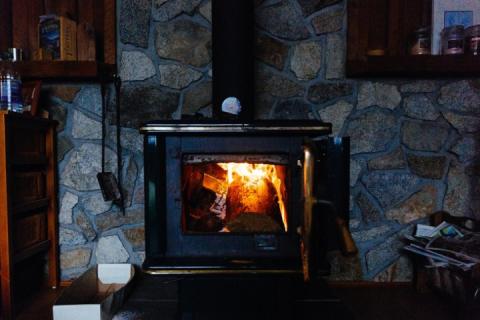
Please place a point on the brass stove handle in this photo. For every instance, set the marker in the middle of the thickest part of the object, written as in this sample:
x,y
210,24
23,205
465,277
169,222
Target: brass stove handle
x,y
309,201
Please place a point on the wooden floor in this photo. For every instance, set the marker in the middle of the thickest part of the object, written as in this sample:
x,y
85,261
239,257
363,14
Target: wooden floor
x,y
359,302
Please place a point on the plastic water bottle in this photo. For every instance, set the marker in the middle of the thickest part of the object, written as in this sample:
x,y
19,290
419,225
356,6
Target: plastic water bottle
x,y
10,91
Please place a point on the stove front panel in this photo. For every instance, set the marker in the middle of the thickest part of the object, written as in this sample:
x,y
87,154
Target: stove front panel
x,y
175,228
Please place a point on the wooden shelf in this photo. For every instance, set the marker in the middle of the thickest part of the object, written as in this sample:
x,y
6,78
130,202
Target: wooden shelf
x,y
30,251
30,206
415,66
63,70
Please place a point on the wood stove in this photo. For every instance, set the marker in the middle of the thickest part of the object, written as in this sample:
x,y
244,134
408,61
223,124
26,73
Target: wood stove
x,y
229,197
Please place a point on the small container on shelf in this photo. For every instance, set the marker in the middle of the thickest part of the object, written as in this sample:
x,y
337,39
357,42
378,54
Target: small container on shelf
x,y
453,40
10,90
472,39
421,42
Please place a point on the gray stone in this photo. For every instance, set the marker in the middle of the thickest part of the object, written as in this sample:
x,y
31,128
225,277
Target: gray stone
x,y
378,94
354,223
95,204
131,139
136,237
64,144
369,212
293,109
128,182
139,197
459,192
76,258
271,51
184,41
389,187
177,76
152,102
68,237
134,22
420,205
371,131
419,106
276,84
399,271
111,250
419,86
197,97
136,66
466,148
205,112
306,60
264,104
355,170
323,92
80,173
112,220
69,201
65,93
424,136
390,161
463,123
167,10
328,21
311,6
59,114
282,19
387,252
90,99
460,96
370,234
86,226
85,127
430,167
335,56
336,115
206,10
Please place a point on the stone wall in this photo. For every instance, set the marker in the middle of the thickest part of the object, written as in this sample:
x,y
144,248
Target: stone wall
x,y
414,146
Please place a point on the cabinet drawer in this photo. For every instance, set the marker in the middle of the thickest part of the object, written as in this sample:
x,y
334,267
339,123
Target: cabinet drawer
x,y
29,231
28,187
27,143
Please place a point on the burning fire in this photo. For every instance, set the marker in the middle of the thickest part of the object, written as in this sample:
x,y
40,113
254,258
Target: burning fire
x,y
253,175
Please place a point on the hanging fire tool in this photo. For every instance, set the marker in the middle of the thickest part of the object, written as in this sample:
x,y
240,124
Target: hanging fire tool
x,y
110,186
309,232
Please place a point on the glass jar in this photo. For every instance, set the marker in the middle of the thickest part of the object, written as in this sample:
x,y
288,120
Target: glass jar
x,y
10,90
421,42
472,39
453,40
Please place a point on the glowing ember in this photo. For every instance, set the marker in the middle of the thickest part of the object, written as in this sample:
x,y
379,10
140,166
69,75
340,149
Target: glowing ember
x,y
253,177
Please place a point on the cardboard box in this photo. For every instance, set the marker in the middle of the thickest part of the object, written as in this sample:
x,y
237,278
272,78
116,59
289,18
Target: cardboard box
x,y
58,35
96,295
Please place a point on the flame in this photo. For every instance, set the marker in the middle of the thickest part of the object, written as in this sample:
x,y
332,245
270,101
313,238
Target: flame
x,y
252,174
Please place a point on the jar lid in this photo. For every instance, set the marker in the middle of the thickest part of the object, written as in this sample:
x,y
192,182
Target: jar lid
x,y
423,32
473,31
454,30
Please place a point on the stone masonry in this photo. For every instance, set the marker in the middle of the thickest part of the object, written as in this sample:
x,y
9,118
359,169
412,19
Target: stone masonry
x,y
414,142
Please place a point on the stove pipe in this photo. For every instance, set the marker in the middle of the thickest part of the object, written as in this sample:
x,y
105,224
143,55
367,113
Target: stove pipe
x,y
233,59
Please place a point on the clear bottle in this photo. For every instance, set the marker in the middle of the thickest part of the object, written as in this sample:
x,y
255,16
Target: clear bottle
x,y
10,90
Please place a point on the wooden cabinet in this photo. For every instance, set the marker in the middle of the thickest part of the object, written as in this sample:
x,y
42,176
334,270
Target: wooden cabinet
x,y
380,34
28,206
19,28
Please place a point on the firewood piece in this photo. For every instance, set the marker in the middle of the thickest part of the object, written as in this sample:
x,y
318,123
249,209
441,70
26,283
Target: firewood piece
x,y
260,198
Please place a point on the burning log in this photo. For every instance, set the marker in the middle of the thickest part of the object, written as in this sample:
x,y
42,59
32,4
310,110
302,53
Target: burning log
x,y
259,198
